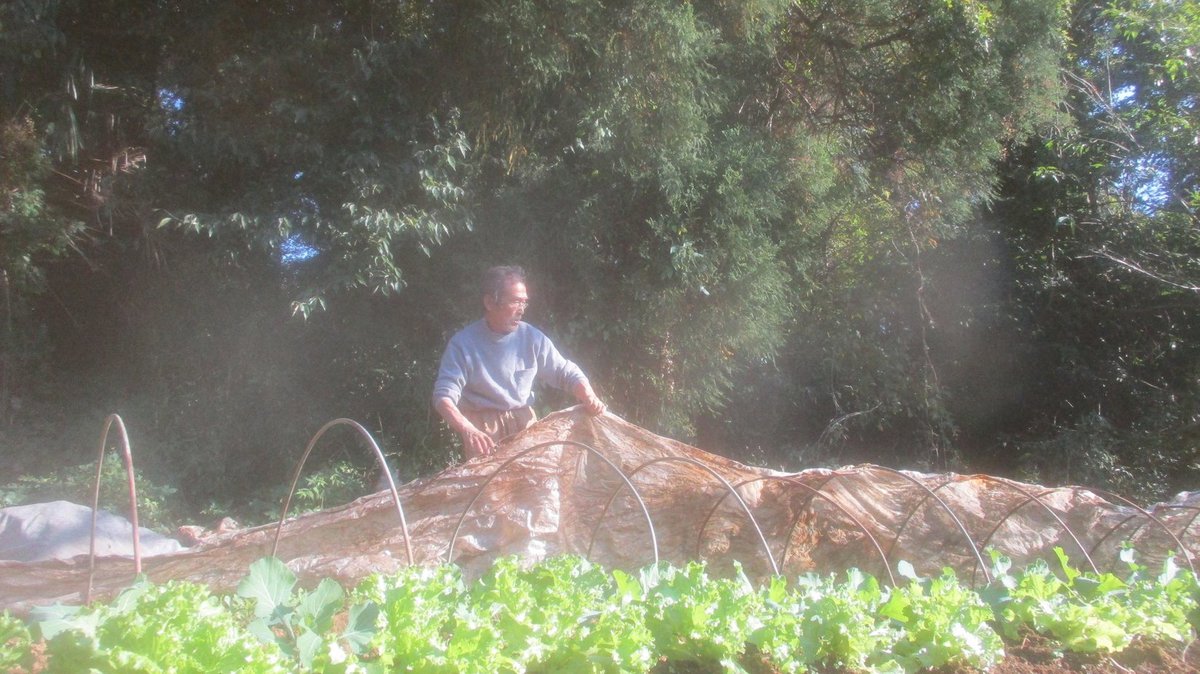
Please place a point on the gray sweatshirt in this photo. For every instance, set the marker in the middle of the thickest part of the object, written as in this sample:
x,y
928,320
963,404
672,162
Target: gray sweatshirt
x,y
482,369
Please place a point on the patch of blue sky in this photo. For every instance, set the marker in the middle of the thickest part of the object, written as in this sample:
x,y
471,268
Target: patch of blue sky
x,y
295,250
1123,95
1147,179
170,100
172,104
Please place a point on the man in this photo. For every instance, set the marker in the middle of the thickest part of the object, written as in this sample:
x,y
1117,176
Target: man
x,y
485,384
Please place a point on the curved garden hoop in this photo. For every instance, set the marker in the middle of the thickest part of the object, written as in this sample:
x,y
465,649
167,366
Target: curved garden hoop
x,y
1113,530
728,487
908,517
382,464
1181,506
1187,555
812,491
539,447
928,493
1029,496
127,454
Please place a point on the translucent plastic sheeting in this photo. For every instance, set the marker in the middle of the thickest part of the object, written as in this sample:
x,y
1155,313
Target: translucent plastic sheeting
x,y
553,499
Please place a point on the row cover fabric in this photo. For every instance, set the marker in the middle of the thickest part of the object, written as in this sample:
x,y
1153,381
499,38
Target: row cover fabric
x,y
543,493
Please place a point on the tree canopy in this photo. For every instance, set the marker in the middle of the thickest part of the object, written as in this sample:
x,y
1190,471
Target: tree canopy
x,y
947,235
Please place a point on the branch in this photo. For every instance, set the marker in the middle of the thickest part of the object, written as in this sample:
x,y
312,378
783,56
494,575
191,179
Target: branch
x,y
1093,93
842,420
1135,268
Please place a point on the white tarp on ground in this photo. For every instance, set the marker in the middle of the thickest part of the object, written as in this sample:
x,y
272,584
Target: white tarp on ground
x,y
543,493
62,530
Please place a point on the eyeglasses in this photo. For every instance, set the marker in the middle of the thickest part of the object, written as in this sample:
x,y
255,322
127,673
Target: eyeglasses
x,y
516,303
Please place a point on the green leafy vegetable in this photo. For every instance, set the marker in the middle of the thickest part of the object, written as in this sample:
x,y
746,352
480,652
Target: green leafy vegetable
x,y
567,615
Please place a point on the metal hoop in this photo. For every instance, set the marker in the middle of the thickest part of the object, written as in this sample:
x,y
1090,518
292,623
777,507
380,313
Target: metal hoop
x,y
949,511
812,491
538,447
127,454
1187,555
1182,506
1113,530
908,517
1030,498
382,464
728,487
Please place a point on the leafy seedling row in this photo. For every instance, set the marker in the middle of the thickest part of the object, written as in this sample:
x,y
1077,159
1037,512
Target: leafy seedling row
x,y
568,615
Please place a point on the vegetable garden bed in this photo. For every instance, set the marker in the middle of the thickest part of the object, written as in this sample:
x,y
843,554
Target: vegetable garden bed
x,y
566,614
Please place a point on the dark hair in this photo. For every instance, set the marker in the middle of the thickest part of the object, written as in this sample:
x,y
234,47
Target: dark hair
x,y
497,279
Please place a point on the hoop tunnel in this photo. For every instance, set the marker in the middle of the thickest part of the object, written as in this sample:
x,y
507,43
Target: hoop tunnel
x,y
728,487
127,455
998,509
541,446
382,464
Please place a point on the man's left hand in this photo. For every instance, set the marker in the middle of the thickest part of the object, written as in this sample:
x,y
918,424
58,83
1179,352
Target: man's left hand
x,y
594,405
590,401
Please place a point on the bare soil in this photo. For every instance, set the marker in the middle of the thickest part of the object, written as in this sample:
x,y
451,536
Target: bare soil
x,y
1034,655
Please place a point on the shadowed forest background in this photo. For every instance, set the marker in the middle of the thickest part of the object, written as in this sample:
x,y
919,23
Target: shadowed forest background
x,y
950,236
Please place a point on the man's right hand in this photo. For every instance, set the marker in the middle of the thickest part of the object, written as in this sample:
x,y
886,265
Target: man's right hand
x,y
475,441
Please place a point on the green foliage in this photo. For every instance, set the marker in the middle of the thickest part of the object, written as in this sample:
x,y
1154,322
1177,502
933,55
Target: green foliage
x,y
1149,461
1088,612
886,231
14,643
31,231
1093,218
338,483
157,506
323,126
298,622
570,596
651,162
179,627
943,623
824,622
694,617
567,615
855,624
416,608
873,354
561,615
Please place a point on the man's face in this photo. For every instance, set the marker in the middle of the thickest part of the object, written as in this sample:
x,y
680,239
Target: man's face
x,y
504,314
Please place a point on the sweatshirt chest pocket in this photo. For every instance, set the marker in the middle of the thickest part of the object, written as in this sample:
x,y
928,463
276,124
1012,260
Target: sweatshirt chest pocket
x,y
524,381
